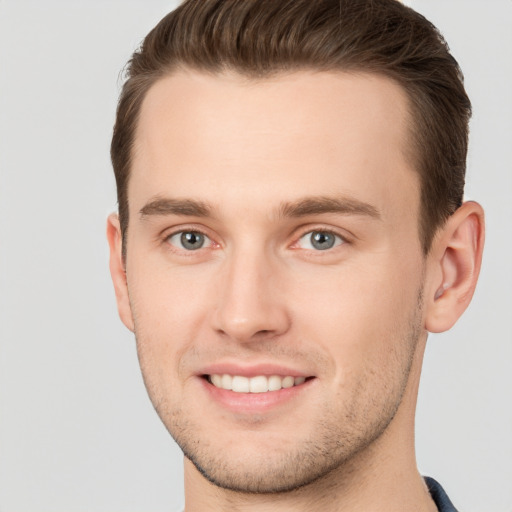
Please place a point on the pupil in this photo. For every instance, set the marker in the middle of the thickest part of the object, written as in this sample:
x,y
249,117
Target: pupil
x,y
192,241
322,241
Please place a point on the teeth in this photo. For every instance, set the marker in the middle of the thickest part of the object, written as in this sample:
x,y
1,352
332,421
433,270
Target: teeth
x,y
240,384
259,384
288,382
226,381
275,383
217,380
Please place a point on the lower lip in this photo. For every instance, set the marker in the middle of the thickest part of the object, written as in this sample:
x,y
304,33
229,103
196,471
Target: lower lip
x,y
254,403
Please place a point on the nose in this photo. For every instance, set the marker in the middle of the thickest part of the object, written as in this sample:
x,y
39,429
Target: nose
x,y
251,300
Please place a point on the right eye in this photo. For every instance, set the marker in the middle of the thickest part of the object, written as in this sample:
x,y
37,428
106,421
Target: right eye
x,y
189,240
319,240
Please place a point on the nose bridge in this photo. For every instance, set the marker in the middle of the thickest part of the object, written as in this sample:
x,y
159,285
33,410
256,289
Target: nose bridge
x,y
250,305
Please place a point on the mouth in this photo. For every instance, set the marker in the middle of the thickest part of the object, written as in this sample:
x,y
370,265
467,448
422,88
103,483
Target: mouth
x,y
256,384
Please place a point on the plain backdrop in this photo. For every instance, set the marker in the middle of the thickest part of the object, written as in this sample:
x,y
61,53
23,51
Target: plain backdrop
x,y
77,432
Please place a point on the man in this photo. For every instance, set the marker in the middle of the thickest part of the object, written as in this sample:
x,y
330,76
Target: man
x,y
291,226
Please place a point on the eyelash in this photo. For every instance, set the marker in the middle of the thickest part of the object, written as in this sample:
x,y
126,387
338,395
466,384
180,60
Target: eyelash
x,y
319,229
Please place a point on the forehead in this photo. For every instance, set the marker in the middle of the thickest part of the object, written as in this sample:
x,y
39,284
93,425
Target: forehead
x,y
257,142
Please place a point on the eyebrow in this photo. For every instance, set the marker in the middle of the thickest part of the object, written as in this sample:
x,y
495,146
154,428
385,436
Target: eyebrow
x,y
325,204
313,205
170,206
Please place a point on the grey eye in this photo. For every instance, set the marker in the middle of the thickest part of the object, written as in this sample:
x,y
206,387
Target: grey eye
x,y
189,240
320,240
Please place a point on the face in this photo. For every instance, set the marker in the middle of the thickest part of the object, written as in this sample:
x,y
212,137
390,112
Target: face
x,y
274,269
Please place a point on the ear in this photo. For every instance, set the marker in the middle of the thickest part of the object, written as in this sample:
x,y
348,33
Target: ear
x,y
117,270
453,267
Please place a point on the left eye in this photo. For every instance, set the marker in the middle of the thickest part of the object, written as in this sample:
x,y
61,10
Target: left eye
x,y
320,240
189,240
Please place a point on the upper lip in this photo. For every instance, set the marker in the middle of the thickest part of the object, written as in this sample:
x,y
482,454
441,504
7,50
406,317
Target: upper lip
x,y
252,370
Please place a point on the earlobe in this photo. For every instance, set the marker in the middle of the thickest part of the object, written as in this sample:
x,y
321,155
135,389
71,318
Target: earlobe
x,y
117,270
454,266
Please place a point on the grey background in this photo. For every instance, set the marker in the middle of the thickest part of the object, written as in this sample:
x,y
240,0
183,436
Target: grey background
x,y
77,432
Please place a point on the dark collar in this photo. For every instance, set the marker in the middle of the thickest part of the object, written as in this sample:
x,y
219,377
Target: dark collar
x,y
439,496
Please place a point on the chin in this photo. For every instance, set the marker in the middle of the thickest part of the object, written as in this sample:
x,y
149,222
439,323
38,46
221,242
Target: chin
x,y
269,476
259,463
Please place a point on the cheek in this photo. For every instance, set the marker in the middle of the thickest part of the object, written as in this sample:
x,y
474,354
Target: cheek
x,y
169,307
165,294
360,313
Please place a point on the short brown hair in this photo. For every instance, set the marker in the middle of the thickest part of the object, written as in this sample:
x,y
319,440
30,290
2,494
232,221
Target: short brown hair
x,y
259,38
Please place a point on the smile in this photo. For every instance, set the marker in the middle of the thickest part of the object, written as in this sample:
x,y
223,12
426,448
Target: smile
x,y
257,384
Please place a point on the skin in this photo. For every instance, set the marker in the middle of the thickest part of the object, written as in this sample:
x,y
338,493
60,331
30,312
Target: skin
x,y
253,157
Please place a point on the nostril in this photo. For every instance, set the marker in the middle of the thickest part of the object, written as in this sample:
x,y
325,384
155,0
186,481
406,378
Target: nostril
x,y
263,332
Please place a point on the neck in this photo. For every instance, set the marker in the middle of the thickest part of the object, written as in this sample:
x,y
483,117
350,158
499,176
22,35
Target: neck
x,y
381,477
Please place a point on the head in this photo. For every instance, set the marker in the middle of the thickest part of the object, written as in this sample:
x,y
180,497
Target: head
x,y
290,179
